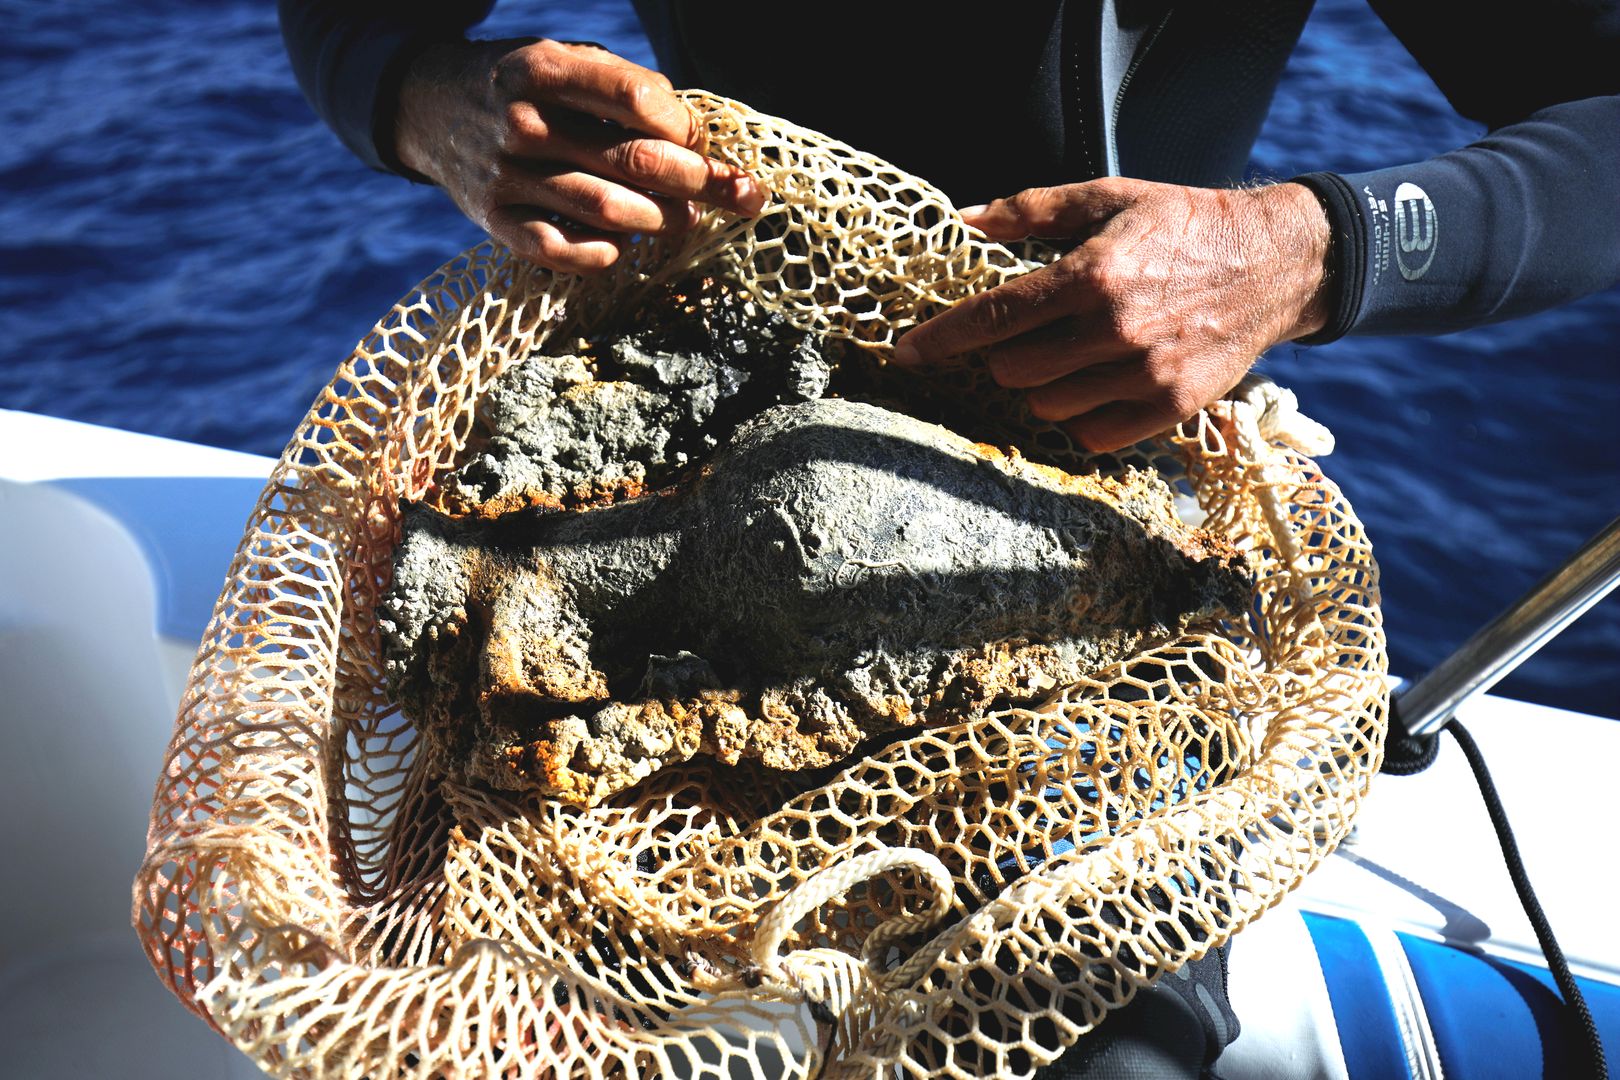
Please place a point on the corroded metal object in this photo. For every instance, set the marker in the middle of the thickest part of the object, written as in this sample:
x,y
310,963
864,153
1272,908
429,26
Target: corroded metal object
x,y
837,570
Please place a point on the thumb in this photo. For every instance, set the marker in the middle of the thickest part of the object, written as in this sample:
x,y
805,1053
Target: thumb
x,y
1064,211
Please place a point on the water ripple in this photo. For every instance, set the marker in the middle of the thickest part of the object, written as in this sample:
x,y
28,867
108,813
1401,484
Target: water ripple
x,y
190,253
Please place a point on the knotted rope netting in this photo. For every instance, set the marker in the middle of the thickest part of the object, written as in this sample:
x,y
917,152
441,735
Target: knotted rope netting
x,y
967,900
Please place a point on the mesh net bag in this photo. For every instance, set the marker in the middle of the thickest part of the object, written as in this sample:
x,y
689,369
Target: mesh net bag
x,y
967,900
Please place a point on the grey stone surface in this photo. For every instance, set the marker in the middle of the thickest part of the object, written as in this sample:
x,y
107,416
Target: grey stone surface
x,y
573,429
837,570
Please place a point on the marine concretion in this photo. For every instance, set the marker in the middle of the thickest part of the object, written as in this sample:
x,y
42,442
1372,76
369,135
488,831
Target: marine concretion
x,y
834,571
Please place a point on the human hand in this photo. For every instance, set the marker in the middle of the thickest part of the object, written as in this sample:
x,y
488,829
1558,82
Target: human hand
x,y
1170,298
559,151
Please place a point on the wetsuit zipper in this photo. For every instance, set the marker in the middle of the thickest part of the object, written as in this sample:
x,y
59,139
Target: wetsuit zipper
x,y
1125,81
1075,43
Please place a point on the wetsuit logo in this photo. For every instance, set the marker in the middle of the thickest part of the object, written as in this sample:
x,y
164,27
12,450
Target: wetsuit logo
x,y
1416,229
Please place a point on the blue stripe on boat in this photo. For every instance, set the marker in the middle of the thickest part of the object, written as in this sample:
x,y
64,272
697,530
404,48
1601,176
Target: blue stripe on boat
x,y
1494,1018
1368,1036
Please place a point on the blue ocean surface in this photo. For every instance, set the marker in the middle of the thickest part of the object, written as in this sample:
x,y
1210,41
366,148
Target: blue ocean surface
x,y
188,252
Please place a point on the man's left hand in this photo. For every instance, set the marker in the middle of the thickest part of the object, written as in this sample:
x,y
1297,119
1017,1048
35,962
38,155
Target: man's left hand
x,y
1170,296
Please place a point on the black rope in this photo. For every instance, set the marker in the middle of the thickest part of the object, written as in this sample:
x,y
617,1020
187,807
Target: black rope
x,y
1406,754
1527,897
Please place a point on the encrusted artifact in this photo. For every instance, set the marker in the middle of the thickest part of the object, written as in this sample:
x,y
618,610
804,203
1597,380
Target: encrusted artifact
x,y
836,571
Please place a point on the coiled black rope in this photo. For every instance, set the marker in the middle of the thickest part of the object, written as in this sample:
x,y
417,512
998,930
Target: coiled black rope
x,y
1406,754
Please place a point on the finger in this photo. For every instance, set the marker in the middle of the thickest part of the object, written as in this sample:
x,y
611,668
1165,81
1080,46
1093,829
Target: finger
x,y
660,166
535,235
630,96
1054,211
1019,306
1086,390
1117,425
596,203
1056,350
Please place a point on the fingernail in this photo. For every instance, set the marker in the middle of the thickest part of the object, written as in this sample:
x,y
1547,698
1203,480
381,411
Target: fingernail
x,y
750,196
905,354
972,211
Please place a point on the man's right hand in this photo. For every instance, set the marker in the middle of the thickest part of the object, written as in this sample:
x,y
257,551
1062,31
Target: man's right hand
x,y
559,151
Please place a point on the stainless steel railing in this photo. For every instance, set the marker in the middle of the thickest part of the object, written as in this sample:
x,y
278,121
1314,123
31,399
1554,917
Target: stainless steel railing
x,y
1513,636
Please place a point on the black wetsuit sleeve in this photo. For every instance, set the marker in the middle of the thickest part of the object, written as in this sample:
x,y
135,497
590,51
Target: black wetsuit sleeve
x,y
350,55
1524,219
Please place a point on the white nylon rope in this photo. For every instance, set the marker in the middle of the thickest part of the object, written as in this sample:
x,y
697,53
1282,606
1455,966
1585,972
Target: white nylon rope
x,y
836,880
1262,412
830,980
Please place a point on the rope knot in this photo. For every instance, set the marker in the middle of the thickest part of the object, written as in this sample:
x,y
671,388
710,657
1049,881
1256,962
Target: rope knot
x,y
830,980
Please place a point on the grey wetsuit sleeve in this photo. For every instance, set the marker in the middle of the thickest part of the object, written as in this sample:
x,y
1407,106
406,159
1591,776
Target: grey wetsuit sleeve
x,y
1524,219
350,55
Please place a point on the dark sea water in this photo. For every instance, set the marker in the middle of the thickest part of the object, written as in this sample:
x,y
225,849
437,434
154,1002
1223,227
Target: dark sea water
x,y
187,252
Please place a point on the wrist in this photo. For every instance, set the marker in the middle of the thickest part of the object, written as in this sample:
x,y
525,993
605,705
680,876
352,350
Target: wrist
x,y
1302,235
1346,284
419,106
